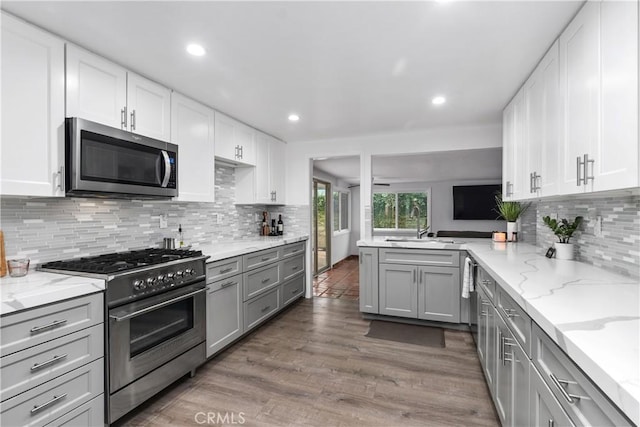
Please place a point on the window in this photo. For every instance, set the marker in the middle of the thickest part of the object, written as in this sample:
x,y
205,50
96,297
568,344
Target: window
x,y
401,210
340,211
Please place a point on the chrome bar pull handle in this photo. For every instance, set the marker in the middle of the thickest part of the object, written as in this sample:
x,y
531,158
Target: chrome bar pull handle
x,y
586,163
54,324
133,119
38,408
226,285
414,275
551,423
61,178
54,359
123,117
226,270
558,383
578,167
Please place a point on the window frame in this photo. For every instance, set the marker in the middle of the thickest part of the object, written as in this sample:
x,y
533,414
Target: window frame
x,y
408,231
341,230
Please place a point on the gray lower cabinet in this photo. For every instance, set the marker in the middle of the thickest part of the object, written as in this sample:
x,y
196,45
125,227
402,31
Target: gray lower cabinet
x,y
293,289
89,414
486,338
398,286
545,410
368,258
259,309
224,313
439,294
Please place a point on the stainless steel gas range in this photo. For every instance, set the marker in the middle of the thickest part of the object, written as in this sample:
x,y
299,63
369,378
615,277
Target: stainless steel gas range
x,y
155,319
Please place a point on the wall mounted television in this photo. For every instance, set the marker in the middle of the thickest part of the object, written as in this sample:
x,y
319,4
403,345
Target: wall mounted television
x,y
475,201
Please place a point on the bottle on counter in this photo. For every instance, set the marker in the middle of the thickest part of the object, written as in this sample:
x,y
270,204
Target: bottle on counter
x,y
280,226
180,236
274,230
264,231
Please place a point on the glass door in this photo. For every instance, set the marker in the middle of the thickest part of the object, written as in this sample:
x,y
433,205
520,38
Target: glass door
x,y
321,226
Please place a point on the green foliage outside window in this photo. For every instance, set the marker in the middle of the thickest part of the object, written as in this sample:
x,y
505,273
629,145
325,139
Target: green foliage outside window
x,y
398,210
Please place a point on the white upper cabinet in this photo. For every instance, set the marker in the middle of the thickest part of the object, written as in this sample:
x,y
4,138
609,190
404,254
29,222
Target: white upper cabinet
x,y
542,132
103,92
235,141
192,129
149,107
513,151
599,86
616,152
263,184
32,143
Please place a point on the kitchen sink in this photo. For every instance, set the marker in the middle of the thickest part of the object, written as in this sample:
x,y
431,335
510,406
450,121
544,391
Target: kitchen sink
x,y
415,240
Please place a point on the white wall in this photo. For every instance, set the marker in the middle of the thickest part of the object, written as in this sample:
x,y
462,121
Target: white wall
x,y
340,242
298,156
355,220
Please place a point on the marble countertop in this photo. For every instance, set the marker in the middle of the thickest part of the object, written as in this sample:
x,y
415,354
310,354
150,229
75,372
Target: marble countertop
x,y
592,314
221,250
449,243
39,288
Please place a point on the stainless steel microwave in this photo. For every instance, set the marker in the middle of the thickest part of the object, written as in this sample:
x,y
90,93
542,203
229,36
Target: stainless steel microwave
x,y
109,162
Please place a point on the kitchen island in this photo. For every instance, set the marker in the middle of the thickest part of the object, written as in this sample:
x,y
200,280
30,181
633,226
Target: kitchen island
x,y
593,315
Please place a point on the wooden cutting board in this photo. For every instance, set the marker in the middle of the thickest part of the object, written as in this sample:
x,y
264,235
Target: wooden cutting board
x,y
3,259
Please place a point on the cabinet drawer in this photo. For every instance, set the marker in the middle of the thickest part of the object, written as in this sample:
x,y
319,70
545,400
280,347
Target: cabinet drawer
x,y
593,408
259,280
419,257
516,319
32,327
293,249
292,266
225,283
224,268
90,414
261,258
487,283
29,368
293,289
54,398
260,308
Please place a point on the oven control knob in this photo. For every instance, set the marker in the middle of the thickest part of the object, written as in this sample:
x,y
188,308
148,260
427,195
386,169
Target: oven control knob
x,y
170,276
189,272
138,285
162,278
151,281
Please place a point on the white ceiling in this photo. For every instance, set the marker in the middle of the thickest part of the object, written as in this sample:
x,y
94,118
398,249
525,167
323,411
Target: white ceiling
x,y
459,165
347,68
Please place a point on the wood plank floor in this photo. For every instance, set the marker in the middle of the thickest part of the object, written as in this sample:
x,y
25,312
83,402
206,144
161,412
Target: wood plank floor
x,y
312,365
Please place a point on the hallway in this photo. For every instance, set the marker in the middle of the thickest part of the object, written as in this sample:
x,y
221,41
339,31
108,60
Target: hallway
x,y
342,281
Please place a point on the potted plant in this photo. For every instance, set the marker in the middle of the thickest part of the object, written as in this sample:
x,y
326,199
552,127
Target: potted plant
x,y
563,229
510,212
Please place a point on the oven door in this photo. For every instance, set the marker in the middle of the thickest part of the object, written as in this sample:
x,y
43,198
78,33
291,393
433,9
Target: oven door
x,y
145,334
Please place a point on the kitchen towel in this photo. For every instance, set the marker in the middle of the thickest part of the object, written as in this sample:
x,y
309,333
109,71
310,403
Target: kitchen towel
x,y
468,281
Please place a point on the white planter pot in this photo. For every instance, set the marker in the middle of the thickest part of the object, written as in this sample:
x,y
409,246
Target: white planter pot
x,y
564,250
512,227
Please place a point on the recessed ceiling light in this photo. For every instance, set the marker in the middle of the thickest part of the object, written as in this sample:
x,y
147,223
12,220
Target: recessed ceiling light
x,y
438,100
195,49
294,117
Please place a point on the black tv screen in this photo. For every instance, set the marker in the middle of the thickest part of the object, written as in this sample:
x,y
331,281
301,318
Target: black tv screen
x,y
475,201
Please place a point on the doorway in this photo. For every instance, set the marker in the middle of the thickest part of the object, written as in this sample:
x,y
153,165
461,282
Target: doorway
x,y
321,228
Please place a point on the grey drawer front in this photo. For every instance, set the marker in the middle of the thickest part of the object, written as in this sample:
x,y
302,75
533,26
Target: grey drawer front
x,y
260,308
419,257
261,258
293,249
55,397
487,283
594,408
516,319
90,414
293,289
257,281
32,327
225,283
292,266
224,268
29,368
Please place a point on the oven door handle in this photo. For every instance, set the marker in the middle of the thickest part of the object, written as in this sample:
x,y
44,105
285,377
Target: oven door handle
x,y
156,306
167,169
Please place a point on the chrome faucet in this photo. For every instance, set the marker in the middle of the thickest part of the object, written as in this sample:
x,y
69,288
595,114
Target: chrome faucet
x,y
416,209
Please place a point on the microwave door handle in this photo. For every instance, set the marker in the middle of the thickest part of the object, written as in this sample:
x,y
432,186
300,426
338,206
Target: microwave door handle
x,y
167,169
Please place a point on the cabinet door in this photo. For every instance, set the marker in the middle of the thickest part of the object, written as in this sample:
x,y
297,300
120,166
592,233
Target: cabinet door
x,y
579,48
616,155
513,149
504,377
261,173
369,280
192,129
96,89
491,349
398,290
545,410
32,111
149,108
439,294
225,148
245,138
520,366
235,142
277,170
484,305
224,313
534,117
